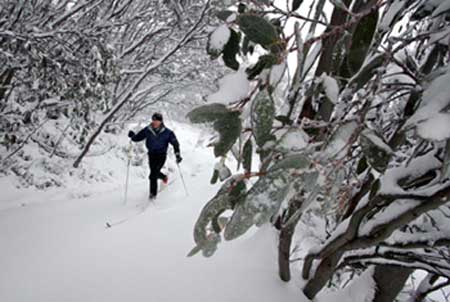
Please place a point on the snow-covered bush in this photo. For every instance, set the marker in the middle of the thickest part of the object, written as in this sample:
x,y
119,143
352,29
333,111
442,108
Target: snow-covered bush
x,y
347,105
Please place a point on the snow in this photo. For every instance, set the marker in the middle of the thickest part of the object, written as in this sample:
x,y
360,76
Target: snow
x,y
232,88
361,289
219,37
443,37
311,59
294,140
377,141
416,168
331,88
436,128
390,14
232,18
277,73
443,7
338,144
390,213
434,227
55,246
436,98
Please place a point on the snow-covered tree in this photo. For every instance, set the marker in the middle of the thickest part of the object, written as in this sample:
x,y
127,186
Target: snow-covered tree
x,y
82,66
346,103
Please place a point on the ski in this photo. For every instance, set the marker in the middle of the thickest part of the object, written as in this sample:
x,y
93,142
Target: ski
x,y
143,210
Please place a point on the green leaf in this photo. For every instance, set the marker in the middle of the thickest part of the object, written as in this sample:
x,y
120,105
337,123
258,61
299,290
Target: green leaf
x,y
264,199
194,251
258,30
246,46
264,61
296,4
215,177
227,123
215,223
374,188
263,114
242,8
229,127
231,192
361,42
367,71
375,149
247,151
294,161
284,120
231,49
207,113
265,2
224,14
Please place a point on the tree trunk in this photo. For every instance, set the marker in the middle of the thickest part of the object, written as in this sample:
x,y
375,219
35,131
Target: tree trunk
x,y
322,275
285,240
389,280
284,251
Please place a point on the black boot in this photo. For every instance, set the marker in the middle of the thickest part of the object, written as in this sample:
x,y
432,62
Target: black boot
x,y
152,195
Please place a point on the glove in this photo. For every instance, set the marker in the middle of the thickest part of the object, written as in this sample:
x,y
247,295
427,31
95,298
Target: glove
x,y
131,134
179,159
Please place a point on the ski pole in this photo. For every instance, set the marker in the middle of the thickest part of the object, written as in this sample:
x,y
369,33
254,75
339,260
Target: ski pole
x,y
182,180
128,172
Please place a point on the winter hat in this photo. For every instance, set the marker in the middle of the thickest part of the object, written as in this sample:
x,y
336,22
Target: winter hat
x,y
157,117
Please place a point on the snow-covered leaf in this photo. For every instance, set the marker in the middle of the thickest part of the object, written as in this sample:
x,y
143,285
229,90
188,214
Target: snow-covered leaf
x,y
294,140
226,122
375,149
232,88
443,7
229,128
226,198
263,114
432,118
436,128
338,144
264,62
331,88
276,74
223,171
217,41
394,10
264,199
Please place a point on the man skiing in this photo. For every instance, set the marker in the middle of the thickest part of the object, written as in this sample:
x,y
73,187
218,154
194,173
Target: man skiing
x,y
157,138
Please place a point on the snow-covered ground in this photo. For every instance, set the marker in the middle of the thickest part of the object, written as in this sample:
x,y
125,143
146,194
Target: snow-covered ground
x,y
55,246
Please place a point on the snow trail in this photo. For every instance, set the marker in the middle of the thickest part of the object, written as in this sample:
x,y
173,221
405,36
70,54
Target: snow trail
x,y
58,249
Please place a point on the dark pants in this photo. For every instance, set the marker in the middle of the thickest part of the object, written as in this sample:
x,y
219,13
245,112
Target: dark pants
x,y
156,162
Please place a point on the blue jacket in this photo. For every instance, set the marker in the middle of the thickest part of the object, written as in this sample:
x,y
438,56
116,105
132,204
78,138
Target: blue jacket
x,y
157,140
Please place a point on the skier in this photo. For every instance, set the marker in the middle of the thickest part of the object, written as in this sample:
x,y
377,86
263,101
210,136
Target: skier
x,y
157,138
